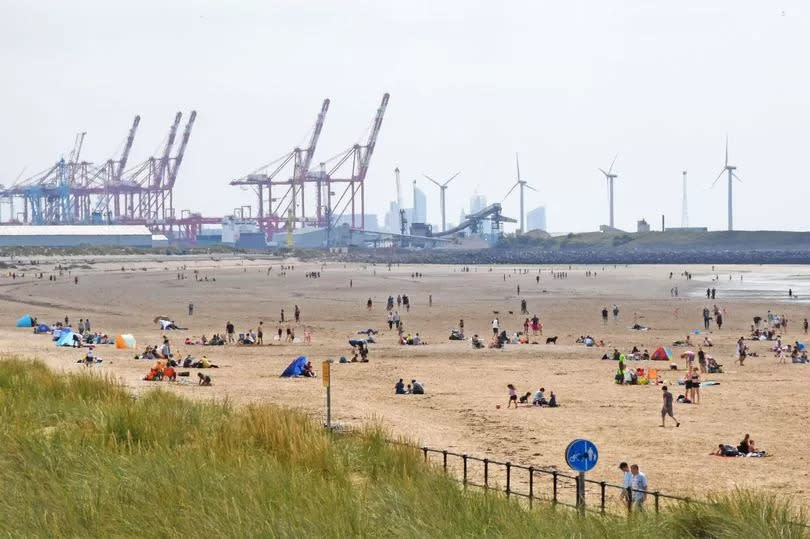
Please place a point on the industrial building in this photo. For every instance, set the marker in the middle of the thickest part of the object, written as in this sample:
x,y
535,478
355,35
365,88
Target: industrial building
x,y
137,236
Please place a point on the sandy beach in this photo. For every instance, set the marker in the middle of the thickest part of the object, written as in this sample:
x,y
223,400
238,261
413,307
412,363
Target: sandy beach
x,y
464,386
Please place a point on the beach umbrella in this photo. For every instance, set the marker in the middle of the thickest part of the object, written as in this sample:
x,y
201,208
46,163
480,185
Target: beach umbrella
x,y
125,341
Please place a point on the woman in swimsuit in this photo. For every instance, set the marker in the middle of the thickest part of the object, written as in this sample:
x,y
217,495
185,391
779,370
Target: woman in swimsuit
x,y
695,385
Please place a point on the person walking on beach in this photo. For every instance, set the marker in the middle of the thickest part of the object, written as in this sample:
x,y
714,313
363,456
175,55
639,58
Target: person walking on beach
x,y
190,309
639,486
805,326
282,316
706,317
229,329
714,293
604,315
708,293
495,326
615,312
260,334
512,396
297,314
666,410
627,481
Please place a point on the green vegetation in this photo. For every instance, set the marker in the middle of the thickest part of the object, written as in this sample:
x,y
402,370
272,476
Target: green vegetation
x,y
79,456
674,239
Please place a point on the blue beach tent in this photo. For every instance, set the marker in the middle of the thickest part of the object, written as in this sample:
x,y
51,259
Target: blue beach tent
x,y
43,328
296,368
65,338
25,322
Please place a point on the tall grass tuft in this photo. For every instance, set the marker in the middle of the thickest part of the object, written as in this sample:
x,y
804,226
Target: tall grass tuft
x,y
80,457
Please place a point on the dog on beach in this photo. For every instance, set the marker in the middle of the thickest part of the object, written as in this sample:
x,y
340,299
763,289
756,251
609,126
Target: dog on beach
x,y
551,340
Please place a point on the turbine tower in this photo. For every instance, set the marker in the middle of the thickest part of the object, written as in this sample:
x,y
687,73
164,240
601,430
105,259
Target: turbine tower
x,y
684,212
610,176
729,169
442,188
523,184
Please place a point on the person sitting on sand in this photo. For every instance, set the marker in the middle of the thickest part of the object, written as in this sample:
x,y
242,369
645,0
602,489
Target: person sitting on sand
x,y
399,387
552,401
476,341
539,398
417,388
744,446
309,371
170,374
205,380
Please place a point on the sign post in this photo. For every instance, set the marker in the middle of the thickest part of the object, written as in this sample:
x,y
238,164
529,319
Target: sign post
x,y
327,383
581,456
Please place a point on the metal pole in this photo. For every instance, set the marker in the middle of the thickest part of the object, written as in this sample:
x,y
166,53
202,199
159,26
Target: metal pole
x,y
508,479
730,218
581,491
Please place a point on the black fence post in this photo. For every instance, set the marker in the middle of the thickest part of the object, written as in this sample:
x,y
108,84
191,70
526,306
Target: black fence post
x,y
444,459
656,495
486,473
554,474
531,485
508,478
464,458
602,486
425,451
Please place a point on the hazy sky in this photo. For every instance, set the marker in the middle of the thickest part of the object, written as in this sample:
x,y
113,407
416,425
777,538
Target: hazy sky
x,y
566,84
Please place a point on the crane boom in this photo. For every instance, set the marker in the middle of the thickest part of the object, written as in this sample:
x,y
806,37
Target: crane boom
x,y
164,159
127,147
399,188
304,164
372,139
183,144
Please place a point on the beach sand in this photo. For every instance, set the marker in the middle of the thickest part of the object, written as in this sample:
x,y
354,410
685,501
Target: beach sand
x,y
464,386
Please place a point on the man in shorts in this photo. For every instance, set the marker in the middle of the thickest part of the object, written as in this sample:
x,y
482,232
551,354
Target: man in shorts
x,y
666,410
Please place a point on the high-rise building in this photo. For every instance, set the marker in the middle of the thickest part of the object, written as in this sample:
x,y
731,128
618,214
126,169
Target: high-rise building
x,y
392,218
536,219
419,206
477,203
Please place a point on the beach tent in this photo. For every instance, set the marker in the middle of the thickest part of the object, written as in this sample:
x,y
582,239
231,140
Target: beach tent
x,y
43,328
25,322
801,346
125,341
65,338
296,368
661,354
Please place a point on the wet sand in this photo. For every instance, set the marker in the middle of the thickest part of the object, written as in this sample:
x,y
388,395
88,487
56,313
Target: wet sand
x,y
464,386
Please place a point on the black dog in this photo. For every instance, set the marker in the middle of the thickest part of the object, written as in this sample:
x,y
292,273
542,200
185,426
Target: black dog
x,y
551,340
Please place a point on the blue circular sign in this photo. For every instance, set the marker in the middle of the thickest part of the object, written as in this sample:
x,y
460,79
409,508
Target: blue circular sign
x,y
581,455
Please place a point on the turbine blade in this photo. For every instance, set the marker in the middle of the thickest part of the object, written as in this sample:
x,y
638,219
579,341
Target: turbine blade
x,y
530,187
718,176
510,191
603,172
431,179
517,165
453,177
726,149
738,178
613,163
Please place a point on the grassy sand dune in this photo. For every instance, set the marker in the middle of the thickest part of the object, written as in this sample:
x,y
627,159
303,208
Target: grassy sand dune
x,y
79,456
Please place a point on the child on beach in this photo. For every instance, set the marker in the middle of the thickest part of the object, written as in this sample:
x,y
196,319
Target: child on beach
x,y
512,396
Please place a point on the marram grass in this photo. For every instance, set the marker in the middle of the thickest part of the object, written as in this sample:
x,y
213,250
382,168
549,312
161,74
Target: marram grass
x,y
80,457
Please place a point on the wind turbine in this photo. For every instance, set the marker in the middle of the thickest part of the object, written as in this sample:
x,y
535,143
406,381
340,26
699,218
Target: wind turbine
x,y
442,188
522,184
731,175
610,176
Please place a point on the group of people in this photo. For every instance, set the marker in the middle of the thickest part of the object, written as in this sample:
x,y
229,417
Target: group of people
x,y
536,399
414,388
746,448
